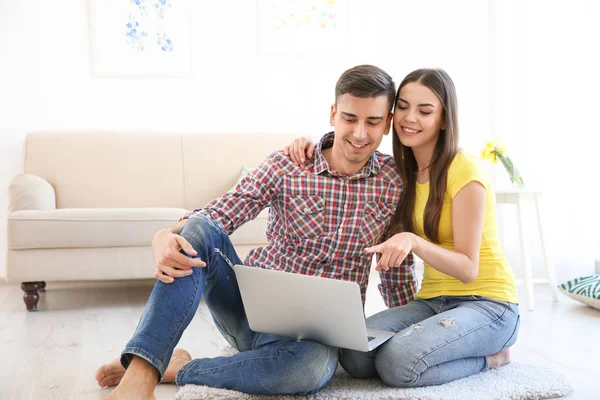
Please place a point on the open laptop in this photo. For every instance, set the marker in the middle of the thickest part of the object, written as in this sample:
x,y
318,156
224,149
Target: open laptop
x,y
327,311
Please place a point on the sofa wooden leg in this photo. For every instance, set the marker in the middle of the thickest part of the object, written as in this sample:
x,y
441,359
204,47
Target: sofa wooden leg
x,y
31,295
42,286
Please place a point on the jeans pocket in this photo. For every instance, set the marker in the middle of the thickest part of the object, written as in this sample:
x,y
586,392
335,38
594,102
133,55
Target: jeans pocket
x,y
513,337
492,307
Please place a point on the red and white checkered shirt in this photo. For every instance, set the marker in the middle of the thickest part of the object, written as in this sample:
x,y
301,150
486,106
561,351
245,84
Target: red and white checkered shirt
x,y
320,221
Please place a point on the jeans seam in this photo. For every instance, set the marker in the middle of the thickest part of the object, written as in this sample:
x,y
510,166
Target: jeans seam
x,y
218,251
514,332
457,338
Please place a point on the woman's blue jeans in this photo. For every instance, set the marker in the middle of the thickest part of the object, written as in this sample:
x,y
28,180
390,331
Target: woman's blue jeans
x,y
438,340
266,364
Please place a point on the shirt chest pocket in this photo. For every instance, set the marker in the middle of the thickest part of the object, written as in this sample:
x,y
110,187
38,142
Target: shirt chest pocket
x,y
376,217
304,219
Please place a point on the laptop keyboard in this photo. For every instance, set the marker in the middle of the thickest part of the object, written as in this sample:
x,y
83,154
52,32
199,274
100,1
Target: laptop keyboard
x,y
369,338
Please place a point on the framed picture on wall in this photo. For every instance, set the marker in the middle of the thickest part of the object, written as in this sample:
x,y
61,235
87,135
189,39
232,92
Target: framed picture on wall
x,y
302,27
141,38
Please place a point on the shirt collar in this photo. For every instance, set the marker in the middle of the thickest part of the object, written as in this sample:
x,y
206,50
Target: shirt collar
x,y
371,168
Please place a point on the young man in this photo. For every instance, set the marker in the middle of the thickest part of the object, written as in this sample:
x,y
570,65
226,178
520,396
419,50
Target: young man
x,y
322,218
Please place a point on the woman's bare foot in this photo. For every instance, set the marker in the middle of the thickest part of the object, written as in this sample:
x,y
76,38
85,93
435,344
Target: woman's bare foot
x,y
499,359
112,373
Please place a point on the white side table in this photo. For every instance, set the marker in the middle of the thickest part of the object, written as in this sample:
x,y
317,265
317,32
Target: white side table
x,y
523,197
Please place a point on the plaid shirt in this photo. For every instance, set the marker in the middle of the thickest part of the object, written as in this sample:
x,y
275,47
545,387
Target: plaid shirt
x,y
320,221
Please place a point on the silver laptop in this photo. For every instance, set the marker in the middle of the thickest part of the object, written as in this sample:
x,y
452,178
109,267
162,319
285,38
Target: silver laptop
x,y
328,311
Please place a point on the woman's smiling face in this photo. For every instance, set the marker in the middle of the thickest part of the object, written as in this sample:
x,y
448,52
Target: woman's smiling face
x,y
419,116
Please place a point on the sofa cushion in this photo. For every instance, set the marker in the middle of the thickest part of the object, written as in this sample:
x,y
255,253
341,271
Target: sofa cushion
x,y
212,161
97,263
107,227
245,171
252,233
108,169
88,227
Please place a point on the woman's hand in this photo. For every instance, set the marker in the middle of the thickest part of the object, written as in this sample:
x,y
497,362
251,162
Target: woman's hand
x,y
300,151
394,250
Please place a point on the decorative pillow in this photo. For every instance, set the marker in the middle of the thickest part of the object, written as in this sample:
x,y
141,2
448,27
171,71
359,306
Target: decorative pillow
x,y
243,174
585,289
30,192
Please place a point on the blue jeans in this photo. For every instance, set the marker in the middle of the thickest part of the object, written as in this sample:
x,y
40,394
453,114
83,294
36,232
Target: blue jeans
x,y
266,364
437,340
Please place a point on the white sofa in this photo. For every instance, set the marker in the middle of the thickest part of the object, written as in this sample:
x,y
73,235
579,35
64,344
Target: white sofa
x,y
88,203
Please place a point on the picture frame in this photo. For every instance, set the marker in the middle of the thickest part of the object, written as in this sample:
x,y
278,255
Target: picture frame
x,y
302,27
141,38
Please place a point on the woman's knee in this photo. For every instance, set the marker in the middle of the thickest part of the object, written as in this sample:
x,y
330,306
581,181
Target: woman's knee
x,y
397,368
358,364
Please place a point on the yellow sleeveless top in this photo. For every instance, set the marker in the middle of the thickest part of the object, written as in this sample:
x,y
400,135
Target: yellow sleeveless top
x,y
496,278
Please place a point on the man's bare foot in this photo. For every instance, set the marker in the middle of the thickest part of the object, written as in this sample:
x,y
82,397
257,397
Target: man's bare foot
x,y
112,373
499,359
138,382
179,359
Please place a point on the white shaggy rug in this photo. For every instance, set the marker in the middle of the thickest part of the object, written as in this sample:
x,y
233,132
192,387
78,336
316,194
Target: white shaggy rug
x,y
512,381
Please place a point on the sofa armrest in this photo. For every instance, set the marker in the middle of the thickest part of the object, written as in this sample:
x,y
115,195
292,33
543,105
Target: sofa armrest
x,y
30,192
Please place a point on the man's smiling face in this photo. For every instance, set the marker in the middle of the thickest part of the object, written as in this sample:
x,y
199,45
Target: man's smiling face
x,y
359,125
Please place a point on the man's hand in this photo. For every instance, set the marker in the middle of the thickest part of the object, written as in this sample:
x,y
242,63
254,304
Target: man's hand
x,y
169,262
393,251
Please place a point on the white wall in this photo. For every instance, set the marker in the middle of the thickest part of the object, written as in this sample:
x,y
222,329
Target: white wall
x,y
545,105
21,108
46,84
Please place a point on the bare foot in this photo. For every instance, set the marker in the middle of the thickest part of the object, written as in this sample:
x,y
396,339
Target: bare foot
x,y
499,359
138,382
112,373
179,359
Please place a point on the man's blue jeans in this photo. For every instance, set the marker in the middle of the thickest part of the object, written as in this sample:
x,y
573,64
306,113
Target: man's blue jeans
x,y
266,364
438,340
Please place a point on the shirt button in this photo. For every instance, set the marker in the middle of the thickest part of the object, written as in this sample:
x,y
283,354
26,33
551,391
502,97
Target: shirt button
x,y
340,230
345,205
306,209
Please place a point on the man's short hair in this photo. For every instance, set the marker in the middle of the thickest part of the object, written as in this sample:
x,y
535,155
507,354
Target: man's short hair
x,y
366,81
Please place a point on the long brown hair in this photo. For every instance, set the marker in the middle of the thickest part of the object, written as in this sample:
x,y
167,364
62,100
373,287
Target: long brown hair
x,y
445,150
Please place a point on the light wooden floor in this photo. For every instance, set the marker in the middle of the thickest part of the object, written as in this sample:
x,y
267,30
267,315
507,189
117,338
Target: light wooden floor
x,y
53,353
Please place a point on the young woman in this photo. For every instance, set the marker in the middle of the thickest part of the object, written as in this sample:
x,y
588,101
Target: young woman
x,y
465,316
